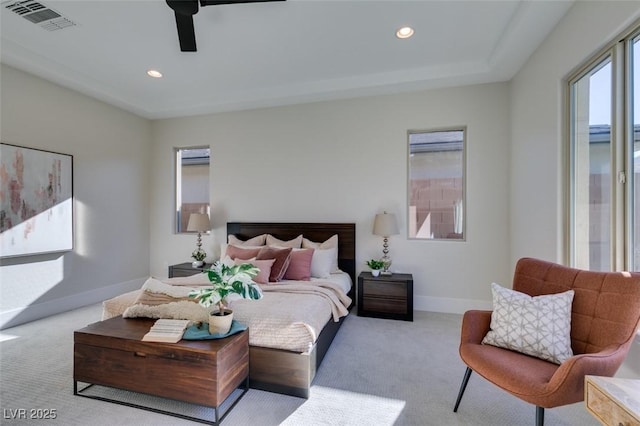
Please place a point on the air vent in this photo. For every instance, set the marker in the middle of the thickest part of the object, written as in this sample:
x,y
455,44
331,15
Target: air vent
x,y
39,14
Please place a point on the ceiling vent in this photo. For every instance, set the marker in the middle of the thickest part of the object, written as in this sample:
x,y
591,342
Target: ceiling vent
x,y
39,14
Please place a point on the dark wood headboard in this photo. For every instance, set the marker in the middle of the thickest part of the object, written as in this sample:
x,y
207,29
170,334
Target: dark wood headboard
x,y
313,231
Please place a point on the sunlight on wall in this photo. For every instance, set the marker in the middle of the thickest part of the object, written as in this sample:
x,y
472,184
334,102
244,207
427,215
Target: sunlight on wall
x,y
338,406
23,284
7,337
81,229
45,232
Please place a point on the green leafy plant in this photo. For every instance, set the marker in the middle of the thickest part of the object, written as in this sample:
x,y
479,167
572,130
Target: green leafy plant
x,y
199,254
228,282
375,264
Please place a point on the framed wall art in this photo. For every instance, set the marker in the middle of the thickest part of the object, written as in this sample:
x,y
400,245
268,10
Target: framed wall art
x,y
36,201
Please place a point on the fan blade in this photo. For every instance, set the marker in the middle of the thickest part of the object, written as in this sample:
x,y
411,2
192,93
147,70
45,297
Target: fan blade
x,y
184,7
184,11
217,2
186,32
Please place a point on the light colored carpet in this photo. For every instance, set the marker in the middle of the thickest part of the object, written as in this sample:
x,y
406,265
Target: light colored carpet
x,y
377,372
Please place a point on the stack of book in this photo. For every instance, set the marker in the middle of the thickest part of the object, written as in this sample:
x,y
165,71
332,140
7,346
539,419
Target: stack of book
x,y
166,330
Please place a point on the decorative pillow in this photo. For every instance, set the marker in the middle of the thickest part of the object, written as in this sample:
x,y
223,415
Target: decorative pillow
x,y
155,292
295,243
539,326
235,252
331,243
263,265
322,262
161,300
251,242
282,258
300,265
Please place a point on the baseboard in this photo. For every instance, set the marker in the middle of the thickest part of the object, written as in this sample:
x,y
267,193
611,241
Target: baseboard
x,y
449,305
36,311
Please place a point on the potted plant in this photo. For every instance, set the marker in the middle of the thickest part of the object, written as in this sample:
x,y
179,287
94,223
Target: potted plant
x,y
376,266
228,282
198,256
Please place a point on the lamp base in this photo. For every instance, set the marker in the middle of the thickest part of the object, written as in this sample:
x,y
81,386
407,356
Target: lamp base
x,y
386,273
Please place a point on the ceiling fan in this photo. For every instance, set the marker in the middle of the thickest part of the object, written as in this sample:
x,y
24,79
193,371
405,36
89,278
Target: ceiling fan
x,y
184,11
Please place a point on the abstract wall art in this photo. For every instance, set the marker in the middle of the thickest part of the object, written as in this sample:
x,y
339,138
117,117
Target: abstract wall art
x,y
36,201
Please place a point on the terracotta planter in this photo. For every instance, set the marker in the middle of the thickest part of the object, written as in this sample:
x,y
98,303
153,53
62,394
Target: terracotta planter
x,y
220,324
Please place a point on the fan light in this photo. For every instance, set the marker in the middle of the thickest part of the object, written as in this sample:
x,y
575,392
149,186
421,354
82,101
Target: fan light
x,y
154,73
404,32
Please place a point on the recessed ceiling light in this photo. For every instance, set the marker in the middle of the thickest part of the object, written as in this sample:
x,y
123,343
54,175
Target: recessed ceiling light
x,y
404,32
154,73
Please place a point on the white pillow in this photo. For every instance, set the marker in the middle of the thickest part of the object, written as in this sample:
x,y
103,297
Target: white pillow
x,y
294,243
539,326
330,243
255,241
322,262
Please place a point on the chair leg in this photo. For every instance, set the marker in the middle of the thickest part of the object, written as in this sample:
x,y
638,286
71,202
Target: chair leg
x,y
539,416
463,386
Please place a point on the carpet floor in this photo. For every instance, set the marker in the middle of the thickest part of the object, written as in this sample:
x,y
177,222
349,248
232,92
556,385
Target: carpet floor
x,y
377,372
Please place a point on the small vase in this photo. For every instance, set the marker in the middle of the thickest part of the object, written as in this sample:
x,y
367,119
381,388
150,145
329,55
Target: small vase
x,y
197,263
375,272
220,324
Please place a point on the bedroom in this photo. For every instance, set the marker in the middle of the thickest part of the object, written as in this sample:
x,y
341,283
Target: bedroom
x,y
261,171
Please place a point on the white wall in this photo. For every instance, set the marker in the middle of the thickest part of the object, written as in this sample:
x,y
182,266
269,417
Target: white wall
x,y
110,151
345,161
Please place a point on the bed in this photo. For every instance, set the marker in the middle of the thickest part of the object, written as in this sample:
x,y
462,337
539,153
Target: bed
x,y
288,371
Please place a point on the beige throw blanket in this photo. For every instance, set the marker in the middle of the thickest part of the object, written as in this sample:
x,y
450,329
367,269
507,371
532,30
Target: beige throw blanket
x,y
290,315
329,291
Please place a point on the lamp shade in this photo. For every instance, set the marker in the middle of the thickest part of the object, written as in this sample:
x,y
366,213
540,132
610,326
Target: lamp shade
x,y
385,224
198,222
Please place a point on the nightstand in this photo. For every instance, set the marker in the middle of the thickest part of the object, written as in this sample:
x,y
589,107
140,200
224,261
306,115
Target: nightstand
x,y
186,269
385,296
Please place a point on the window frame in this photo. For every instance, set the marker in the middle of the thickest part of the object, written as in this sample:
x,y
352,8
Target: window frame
x,y
621,140
453,128
177,183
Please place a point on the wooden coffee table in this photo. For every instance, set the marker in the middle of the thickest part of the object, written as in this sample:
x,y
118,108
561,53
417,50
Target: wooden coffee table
x,y
203,372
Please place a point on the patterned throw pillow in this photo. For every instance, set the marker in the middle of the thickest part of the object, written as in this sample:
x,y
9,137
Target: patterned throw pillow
x,y
539,326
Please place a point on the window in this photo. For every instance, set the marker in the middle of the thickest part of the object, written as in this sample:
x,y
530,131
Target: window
x,y
436,184
603,155
192,184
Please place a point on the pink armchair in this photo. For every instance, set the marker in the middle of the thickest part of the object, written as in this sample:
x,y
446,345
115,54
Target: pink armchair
x,y
604,321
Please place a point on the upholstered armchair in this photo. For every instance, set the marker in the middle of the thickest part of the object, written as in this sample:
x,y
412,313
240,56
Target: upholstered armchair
x,y
605,315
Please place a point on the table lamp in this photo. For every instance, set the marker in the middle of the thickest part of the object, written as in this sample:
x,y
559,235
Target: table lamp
x,y
385,225
199,222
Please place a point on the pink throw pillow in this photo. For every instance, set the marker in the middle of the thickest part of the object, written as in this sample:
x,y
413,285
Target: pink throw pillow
x,y
282,258
235,252
263,265
300,265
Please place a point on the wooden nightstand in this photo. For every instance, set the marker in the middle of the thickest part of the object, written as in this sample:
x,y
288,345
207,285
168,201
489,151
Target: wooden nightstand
x,y
613,401
385,296
186,269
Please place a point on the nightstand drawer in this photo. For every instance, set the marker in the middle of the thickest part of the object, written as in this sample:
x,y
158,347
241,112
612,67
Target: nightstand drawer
x,y
390,306
383,289
186,269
